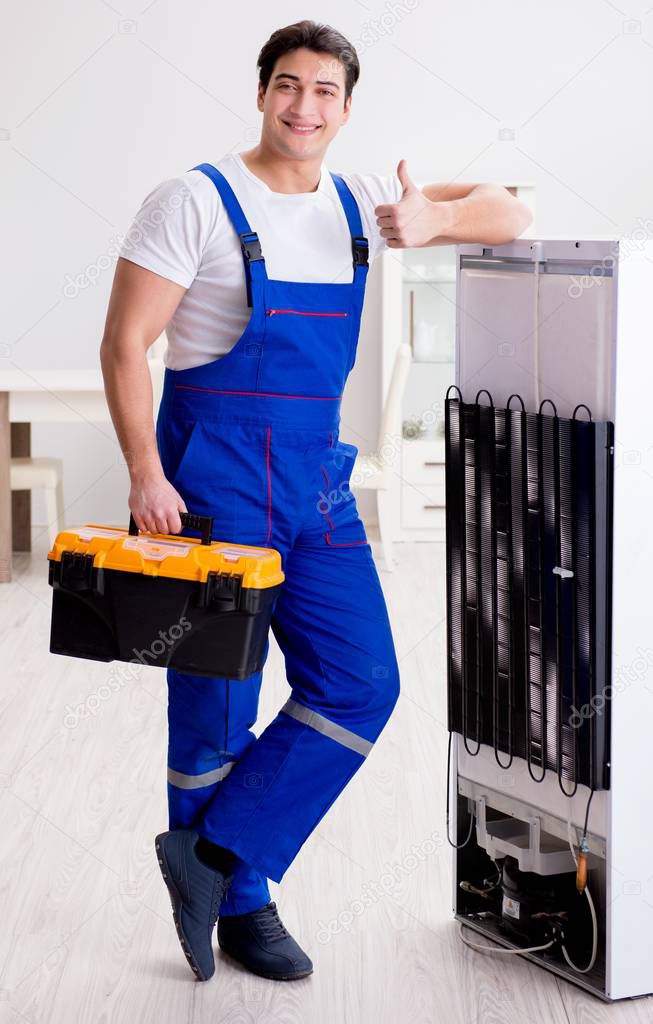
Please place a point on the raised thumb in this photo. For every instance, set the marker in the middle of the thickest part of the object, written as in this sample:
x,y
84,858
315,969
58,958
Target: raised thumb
x,y
407,184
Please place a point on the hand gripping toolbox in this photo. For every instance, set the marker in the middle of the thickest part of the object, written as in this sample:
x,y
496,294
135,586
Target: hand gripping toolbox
x,y
195,605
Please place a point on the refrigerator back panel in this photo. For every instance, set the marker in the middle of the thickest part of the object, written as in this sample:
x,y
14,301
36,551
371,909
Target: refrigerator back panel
x,y
528,535
540,320
537,319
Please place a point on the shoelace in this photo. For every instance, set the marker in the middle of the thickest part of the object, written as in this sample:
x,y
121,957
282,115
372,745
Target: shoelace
x,y
270,923
219,889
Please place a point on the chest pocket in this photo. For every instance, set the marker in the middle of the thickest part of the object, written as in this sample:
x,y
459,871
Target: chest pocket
x,y
305,351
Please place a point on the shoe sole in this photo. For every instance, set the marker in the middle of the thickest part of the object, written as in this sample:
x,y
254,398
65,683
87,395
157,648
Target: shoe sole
x,y
263,974
174,894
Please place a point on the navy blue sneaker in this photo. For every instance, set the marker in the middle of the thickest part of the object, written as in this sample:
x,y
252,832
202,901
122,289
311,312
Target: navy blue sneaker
x,y
259,941
196,892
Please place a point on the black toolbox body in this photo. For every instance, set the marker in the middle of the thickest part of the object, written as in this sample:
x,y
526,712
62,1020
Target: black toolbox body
x,y
200,607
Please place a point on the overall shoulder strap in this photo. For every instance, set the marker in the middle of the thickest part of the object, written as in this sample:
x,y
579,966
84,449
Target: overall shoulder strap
x,y
249,241
359,244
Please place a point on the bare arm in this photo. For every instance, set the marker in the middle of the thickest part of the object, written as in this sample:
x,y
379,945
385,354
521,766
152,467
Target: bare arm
x,y
140,306
447,213
476,213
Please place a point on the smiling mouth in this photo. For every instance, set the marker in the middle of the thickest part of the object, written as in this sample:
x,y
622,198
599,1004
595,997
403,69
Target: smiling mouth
x,y
301,130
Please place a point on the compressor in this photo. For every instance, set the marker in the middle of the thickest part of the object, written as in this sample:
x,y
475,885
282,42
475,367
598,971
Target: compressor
x,y
540,913
537,908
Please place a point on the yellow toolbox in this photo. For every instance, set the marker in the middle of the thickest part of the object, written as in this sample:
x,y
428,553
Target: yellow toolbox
x,y
196,605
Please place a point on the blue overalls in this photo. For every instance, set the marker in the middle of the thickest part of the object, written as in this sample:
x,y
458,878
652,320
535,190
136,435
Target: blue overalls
x,y
252,438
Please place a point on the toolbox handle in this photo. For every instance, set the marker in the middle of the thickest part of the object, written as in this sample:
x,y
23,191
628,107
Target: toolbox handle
x,y
202,523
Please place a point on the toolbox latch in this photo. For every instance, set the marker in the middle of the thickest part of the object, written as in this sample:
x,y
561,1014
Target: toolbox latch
x,y
76,572
223,589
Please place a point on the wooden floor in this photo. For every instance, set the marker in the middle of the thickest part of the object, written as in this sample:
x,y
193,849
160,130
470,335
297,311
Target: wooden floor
x,y
86,929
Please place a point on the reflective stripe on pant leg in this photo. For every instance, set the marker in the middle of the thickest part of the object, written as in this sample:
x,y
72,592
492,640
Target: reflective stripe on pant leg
x,y
206,716
332,626
197,781
328,728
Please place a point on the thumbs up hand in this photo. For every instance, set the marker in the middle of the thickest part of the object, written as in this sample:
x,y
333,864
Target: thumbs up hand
x,y
414,220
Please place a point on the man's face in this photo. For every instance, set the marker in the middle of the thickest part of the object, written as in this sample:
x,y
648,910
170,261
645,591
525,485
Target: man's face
x,y
303,106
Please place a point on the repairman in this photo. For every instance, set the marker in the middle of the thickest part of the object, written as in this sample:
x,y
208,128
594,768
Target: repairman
x,y
255,266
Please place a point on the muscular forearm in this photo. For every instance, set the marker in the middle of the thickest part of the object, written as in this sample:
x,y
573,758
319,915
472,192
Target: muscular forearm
x,y
445,213
488,214
128,387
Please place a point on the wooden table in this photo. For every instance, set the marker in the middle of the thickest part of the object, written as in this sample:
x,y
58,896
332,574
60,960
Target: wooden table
x,y
37,396
47,396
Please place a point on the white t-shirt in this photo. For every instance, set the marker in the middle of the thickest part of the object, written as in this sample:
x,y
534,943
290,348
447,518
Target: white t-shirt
x,y
183,232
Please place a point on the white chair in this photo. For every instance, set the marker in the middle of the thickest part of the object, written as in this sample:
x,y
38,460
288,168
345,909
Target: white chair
x,y
26,473
372,472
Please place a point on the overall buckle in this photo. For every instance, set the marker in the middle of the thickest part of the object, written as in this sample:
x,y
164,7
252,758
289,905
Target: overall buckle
x,y
360,249
251,246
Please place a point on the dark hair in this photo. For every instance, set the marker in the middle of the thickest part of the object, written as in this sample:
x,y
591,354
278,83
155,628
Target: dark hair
x,y
316,37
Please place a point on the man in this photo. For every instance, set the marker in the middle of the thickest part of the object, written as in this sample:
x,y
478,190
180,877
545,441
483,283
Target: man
x,y
256,268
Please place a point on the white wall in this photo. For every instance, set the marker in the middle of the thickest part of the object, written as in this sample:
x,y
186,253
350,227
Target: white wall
x,y
103,99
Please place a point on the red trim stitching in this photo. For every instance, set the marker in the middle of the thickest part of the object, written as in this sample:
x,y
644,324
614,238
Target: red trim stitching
x,y
260,394
301,312
349,544
267,464
344,544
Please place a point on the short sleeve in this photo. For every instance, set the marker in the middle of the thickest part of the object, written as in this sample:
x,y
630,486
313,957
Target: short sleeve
x,y
370,191
169,231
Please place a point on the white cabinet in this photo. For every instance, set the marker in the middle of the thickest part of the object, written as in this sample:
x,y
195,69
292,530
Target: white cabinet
x,y
422,507
422,488
419,308
423,462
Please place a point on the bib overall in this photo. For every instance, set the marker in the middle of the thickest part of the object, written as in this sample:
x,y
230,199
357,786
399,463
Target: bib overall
x,y
252,438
